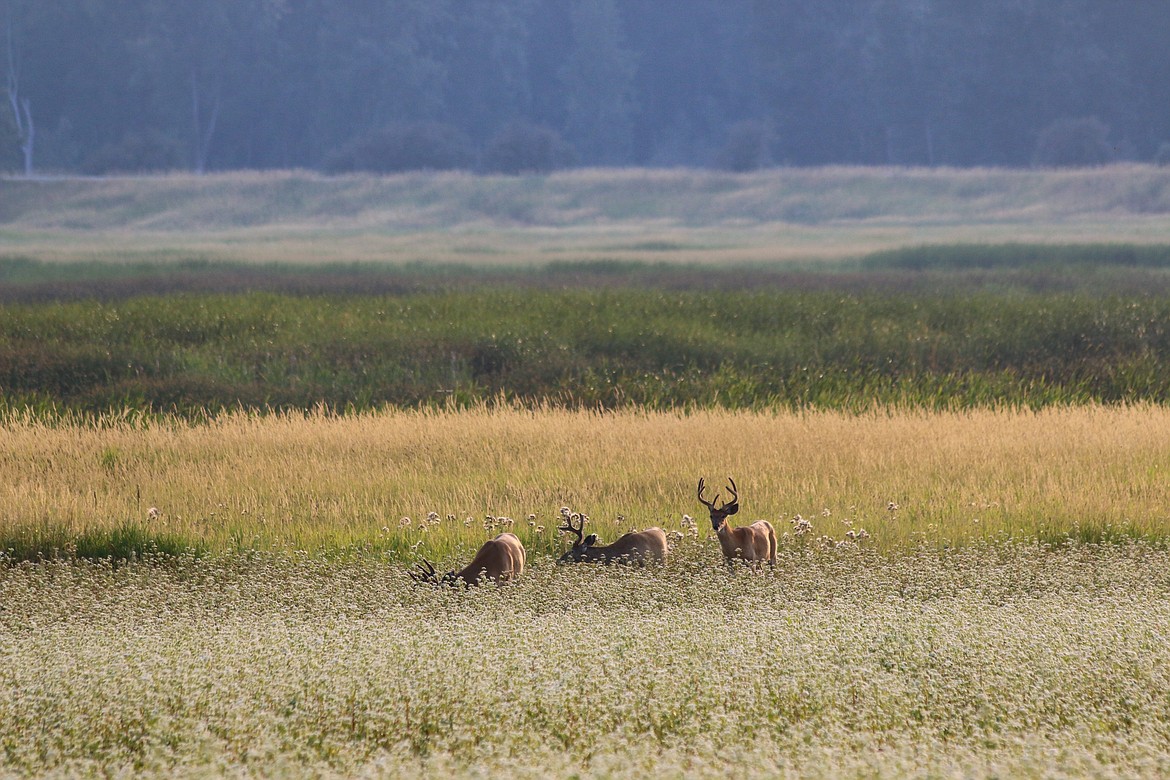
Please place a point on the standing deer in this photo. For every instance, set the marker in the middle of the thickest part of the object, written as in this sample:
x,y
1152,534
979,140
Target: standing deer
x,y
755,542
499,560
640,547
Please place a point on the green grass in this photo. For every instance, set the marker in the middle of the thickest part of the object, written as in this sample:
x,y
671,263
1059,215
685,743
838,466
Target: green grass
x,y
127,542
850,349
1034,257
931,268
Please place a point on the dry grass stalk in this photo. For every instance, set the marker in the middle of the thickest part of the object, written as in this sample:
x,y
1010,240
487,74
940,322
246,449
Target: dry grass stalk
x,y
321,481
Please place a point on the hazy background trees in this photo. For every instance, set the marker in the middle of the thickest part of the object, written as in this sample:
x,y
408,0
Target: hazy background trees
x,y
104,86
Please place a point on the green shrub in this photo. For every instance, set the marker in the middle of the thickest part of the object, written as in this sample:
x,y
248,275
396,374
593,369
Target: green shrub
x,y
136,152
405,146
1073,143
1162,158
522,147
746,148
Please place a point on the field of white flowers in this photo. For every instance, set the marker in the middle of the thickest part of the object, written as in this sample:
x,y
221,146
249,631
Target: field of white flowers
x,y
992,659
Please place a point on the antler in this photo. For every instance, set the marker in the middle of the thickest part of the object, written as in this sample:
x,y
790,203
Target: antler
x,y
709,504
426,572
734,493
578,530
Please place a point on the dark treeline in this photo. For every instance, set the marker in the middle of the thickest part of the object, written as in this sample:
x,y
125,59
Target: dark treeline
x,y
106,85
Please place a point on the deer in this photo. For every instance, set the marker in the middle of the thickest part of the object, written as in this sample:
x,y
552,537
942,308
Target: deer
x,y
640,547
499,560
750,543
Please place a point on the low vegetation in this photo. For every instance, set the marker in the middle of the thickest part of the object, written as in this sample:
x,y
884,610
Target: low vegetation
x,y
991,661
197,354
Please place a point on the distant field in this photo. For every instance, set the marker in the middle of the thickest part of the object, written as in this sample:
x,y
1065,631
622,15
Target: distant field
x,y
678,216
196,354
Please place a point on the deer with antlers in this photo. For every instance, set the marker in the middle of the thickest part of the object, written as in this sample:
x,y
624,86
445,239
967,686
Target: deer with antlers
x,y
751,543
640,547
499,560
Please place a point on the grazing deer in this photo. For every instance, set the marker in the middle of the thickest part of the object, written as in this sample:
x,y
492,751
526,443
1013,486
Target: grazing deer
x,y
499,560
755,542
640,547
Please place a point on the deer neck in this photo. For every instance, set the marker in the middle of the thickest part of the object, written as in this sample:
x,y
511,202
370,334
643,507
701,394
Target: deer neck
x,y
469,577
597,553
727,539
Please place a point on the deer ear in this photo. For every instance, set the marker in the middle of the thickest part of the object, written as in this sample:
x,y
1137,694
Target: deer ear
x,y
731,510
590,540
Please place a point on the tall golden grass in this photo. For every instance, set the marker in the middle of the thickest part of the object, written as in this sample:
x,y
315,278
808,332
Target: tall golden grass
x,y
323,482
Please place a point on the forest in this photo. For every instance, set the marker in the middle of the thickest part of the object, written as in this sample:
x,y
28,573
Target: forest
x,y
101,87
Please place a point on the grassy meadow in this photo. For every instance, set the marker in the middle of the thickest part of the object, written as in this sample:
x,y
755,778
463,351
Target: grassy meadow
x,y
235,408
326,483
197,354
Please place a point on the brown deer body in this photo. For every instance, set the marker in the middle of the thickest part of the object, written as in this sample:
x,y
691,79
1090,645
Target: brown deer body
x,y
640,547
499,560
751,543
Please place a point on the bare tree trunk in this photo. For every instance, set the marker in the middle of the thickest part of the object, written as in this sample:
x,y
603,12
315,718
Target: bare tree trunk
x,y
202,135
196,131
28,134
21,107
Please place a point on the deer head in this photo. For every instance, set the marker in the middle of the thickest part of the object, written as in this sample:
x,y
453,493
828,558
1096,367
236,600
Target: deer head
x,y
581,546
719,514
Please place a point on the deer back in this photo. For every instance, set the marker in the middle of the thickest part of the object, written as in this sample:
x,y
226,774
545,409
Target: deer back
x,y
755,542
500,560
647,546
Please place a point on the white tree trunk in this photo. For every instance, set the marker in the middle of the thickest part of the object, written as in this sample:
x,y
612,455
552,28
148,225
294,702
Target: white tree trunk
x,y
202,135
26,145
21,107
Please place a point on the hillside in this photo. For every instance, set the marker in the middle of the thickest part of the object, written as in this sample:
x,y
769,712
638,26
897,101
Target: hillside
x,y
677,215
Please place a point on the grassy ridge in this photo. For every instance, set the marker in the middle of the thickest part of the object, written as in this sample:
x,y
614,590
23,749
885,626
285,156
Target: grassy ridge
x,y
567,199
675,216
612,348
